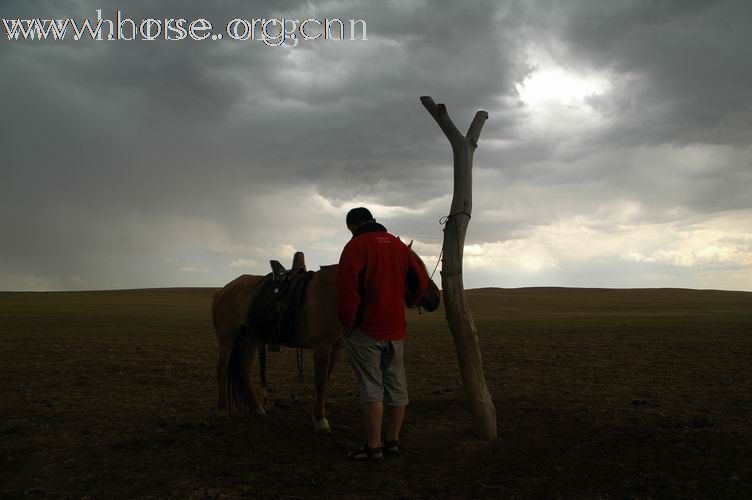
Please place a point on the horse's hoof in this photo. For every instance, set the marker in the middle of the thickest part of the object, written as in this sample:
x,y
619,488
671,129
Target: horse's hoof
x,y
321,426
259,413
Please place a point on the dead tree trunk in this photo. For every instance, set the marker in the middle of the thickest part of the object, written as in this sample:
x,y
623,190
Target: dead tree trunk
x,y
458,314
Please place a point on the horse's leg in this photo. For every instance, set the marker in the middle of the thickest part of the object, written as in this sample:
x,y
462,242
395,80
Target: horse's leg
x,y
321,364
336,355
221,382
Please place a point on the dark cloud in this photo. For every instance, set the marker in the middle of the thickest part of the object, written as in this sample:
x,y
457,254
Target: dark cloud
x,y
682,71
124,162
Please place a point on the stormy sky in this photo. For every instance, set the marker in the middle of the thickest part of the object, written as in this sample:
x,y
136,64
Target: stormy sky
x,y
618,152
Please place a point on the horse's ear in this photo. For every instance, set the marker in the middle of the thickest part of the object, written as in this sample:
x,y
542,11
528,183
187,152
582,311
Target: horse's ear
x,y
410,245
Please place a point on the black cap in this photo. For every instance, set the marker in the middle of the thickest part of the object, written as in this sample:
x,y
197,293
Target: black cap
x,y
358,216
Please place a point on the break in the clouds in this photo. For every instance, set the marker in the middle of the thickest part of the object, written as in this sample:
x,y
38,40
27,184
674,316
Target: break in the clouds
x,y
618,150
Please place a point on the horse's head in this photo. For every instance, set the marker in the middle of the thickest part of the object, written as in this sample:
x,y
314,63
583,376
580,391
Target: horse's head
x,y
432,298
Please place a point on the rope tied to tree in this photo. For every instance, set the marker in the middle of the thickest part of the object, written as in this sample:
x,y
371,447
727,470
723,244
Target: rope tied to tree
x,y
445,219
442,222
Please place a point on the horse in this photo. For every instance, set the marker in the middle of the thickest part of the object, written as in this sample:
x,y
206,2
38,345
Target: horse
x,y
317,327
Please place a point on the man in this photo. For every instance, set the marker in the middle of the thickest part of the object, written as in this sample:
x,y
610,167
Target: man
x,y
371,306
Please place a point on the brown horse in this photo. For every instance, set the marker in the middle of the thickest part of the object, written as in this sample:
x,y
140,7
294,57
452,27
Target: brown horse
x,y
317,327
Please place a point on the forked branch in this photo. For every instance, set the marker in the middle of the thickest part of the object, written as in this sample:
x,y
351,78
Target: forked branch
x,y
439,113
473,133
441,116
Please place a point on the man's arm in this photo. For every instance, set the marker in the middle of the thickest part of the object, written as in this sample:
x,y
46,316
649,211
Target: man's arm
x,y
348,294
417,272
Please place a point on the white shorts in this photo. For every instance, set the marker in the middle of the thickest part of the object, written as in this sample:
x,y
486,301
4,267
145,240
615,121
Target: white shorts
x,y
379,367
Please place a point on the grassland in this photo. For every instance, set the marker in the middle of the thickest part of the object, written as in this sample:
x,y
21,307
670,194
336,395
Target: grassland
x,y
599,393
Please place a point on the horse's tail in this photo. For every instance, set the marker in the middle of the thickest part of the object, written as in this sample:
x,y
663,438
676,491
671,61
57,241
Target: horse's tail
x,y
235,381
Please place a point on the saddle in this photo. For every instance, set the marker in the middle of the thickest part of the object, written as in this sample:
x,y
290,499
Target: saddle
x,y
278,298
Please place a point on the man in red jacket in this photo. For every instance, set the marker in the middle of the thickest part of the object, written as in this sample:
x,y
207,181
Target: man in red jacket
x,y
371,305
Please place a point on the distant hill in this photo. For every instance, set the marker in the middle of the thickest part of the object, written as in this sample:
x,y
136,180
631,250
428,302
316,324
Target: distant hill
x,y
498,306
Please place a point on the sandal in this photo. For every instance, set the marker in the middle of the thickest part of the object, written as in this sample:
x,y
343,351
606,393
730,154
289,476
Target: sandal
x,y
393,448
366,454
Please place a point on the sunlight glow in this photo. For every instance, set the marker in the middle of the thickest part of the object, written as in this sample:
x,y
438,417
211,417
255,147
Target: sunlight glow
x,y
556,85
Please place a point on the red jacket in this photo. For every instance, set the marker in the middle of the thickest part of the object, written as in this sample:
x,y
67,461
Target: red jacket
x,y
371,282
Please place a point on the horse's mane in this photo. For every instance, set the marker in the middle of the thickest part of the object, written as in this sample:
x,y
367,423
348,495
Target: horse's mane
x,y
419,260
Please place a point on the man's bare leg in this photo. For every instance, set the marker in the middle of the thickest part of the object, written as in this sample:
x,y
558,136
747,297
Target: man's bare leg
x,y
395,415
372,415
